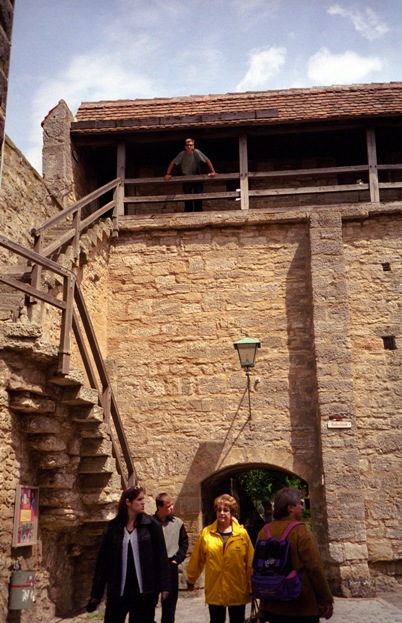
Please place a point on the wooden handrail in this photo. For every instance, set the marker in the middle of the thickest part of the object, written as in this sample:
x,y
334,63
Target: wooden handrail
x,y
317,172
71,322
76,227
78,205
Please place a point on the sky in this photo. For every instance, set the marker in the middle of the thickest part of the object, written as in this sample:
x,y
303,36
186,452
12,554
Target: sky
x,y
91,50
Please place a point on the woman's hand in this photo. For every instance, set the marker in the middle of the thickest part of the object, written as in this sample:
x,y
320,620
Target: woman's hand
x,y
164,595
190,587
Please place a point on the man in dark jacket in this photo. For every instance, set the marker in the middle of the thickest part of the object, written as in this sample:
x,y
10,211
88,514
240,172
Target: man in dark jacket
x,y
176,540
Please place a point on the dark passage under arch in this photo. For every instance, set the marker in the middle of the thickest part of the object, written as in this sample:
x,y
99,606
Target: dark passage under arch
x,y
251,486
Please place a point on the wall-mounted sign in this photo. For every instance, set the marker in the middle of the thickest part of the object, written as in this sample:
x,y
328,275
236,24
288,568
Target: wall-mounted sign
x,y
26,516
339,424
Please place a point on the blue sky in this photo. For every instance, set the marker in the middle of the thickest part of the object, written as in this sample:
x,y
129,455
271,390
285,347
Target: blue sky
x,y
90,50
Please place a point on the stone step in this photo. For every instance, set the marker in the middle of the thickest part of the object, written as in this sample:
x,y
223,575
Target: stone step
x,y
79,396
97,465
99,498
59,498
51,460
75,376
11,298
87,414
94,430
40,425
47,443
21,272
58,479
96,447
100,516
58,518
27,402
90,483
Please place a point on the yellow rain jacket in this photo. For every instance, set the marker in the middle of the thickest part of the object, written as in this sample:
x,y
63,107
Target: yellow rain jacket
x,y
227,569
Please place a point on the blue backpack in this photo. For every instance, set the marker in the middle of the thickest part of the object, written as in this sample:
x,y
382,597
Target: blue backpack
x,y
273,575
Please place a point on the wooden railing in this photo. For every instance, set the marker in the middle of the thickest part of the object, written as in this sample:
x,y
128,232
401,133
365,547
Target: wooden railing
x,y
244,192
74,225
72,318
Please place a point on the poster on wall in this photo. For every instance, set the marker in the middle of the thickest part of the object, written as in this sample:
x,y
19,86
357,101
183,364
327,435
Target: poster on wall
x,y
26,516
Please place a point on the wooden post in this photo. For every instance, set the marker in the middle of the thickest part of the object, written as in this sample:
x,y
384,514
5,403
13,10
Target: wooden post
x,y
243,162
76,225
119,193
66,325
372,166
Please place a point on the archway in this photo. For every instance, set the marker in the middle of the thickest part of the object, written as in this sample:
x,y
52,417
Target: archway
x,y
251,485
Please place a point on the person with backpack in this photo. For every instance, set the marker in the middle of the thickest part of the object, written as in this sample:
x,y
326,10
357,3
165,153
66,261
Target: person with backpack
x,y
315,599
190,161
225,550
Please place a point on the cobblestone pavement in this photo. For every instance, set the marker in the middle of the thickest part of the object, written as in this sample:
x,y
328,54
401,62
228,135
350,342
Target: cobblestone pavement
x,y
387,608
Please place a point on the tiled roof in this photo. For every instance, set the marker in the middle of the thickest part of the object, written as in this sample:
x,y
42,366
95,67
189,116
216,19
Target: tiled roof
x,y
266,107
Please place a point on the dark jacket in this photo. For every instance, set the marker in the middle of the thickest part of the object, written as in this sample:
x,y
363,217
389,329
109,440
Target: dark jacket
x,y
153,559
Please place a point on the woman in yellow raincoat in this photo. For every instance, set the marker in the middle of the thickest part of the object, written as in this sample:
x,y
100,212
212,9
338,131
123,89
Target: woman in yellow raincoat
x,y
225,550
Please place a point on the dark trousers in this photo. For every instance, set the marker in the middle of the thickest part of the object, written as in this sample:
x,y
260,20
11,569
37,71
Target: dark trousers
x,y
282,618
188,189
217,614
140,607
169,604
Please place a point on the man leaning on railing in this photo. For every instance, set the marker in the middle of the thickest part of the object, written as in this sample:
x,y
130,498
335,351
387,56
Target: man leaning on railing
x,y
189,161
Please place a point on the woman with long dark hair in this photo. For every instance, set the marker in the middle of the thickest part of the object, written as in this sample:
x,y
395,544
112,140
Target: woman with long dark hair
x,y
132,563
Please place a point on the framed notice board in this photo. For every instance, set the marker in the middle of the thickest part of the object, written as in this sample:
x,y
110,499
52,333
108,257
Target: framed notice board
x,y
26,516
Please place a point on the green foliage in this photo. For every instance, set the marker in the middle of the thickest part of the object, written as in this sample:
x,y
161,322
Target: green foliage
x,y
262,484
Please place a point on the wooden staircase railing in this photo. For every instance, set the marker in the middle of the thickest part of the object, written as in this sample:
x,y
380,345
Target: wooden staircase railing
x,y
76,225
71,316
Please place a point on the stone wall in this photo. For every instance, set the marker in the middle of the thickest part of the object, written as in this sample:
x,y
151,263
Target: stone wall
x,y
6,27
373,254
26,200
180,299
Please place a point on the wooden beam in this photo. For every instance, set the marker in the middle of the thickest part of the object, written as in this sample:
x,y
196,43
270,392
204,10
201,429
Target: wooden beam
x,y
243,166
120,173
180,197
372,162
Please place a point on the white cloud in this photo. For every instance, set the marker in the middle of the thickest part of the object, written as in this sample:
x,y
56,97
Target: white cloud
x,y
263,65
258,7
368,23
326,68
98,75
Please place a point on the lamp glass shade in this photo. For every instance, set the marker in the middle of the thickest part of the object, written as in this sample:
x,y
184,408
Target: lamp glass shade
x,y
247,350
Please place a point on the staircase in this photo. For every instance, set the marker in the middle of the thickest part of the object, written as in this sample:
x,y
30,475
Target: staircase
x,y
65,428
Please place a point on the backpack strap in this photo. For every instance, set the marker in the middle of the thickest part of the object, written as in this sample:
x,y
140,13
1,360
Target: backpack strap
x,y
268,531
289,529
286,532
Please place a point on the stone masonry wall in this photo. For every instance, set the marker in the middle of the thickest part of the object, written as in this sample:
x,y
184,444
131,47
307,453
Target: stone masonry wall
x,y
178,301
374,299
25,199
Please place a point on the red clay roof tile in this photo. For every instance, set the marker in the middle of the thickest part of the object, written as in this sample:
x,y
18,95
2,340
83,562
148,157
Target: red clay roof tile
x,y
263,107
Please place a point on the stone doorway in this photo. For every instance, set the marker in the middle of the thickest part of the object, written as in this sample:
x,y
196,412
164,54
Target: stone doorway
x,y
230,481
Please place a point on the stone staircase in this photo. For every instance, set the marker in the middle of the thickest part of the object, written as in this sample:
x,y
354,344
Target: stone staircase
x,y
66,435
68,443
